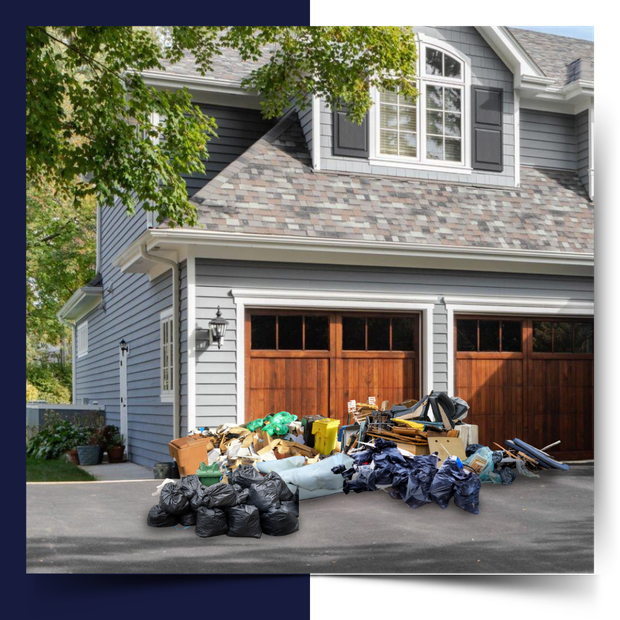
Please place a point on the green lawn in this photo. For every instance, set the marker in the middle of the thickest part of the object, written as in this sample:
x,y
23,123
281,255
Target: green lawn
x,y
54,471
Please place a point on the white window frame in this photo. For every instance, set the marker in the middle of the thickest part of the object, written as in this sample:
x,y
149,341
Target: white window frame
x,y
421,162
166,326
81,337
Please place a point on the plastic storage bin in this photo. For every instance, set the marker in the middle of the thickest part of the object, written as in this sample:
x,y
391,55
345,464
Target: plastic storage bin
x,y
189,452
325,435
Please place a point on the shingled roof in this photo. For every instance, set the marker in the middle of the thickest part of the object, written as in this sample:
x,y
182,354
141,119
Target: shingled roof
x,y
272,189
562,58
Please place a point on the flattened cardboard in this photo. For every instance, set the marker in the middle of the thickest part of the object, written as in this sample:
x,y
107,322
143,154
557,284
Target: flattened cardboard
x,y
415,450
446,447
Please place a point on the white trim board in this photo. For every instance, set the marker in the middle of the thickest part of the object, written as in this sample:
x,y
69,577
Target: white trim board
x,y
525,306
271,298
191,339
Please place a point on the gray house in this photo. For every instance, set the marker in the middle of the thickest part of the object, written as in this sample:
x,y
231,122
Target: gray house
x,y
444,244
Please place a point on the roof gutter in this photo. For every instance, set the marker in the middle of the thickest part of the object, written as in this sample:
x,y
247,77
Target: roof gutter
x,y
243,246
176,324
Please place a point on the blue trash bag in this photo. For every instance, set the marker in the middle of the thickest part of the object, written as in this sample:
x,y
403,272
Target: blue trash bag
x,y
419,481
467,492
442,487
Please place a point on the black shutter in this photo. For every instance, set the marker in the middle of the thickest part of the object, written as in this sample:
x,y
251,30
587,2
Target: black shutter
x,y
487,133
350,139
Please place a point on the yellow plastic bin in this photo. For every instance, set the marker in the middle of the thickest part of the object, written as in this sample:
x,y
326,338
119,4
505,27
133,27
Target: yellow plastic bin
x,y
325,435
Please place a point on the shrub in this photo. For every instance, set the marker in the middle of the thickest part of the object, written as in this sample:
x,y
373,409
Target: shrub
x,y
51,380
32,393
57,437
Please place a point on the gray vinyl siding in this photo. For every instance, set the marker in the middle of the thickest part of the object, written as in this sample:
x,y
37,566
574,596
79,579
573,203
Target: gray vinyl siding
x,y
487,70
237,129
305,120
216,370
548,140
132,305
582,127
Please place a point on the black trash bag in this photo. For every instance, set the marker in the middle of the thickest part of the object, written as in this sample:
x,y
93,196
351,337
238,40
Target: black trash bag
x,y
338,469
472,449
158,517
189,485
210,522
172,499
467,492
507,474
189,518
285,494
242,496
221,495
200,498
265,496
245,476
279,521
347,474
363,457
243,522
442,487
293,504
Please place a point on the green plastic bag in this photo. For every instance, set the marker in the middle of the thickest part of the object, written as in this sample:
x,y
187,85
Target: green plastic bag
x,y
276,429
284,417
254,424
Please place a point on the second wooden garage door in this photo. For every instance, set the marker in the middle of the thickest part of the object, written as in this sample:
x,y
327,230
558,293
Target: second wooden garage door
x,y
528,378
314,363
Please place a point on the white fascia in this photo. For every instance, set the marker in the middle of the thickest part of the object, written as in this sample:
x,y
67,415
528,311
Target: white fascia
x,y
514,306
279,248
204,89
332,300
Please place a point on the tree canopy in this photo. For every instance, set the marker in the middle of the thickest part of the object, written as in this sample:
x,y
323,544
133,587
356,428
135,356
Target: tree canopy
x,y
90,116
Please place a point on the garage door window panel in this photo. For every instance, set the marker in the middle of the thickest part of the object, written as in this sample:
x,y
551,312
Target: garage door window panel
x,y
567,338
489,338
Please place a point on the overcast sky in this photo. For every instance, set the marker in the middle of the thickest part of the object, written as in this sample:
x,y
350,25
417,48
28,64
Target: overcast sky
x,y
578,32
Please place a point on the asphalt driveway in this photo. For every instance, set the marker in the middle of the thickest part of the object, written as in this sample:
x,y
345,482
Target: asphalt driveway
x,y
543,525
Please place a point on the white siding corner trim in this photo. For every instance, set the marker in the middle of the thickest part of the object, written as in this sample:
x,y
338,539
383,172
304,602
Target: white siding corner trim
x,y
332,300
526,306
191,339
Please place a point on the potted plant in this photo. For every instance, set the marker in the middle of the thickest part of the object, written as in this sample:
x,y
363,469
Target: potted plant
x,y
116,447
90,452
74,438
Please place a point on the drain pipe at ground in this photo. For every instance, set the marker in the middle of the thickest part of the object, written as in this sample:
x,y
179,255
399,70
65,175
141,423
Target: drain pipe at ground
x,y
176,388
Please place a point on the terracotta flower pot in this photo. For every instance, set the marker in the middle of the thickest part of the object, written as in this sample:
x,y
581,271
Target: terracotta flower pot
x,y
72,456
115,454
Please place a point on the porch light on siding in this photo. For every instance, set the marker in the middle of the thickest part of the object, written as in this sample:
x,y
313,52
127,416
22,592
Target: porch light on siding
x,y
123,346
217,328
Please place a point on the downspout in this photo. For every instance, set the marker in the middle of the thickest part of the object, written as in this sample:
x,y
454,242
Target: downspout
x,y
176,306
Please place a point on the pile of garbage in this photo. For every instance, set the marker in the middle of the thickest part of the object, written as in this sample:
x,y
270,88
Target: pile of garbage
x,y
414,479
249,505
245,480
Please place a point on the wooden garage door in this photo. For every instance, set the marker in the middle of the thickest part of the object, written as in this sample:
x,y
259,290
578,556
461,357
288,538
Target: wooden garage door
x,y
528,378
314,363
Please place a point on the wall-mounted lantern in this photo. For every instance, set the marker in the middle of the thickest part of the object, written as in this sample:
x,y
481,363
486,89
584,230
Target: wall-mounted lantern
x,y
217,329
124,347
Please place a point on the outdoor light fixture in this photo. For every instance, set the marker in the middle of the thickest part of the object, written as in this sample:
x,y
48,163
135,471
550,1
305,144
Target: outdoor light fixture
x,y
217,328
124,346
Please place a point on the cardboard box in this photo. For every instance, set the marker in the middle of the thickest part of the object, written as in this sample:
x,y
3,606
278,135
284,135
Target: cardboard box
x,y
415,450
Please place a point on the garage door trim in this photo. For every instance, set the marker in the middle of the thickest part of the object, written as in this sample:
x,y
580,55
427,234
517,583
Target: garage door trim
x,y
256,298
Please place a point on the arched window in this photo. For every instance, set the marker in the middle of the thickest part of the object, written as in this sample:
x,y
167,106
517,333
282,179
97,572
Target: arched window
x,y
431,129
